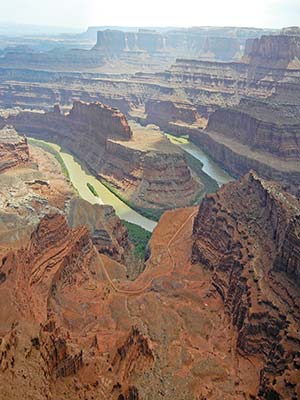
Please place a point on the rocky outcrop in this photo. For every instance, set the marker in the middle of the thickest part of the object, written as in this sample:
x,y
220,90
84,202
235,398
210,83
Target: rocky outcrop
x,y
143,165
55,353
53,257
276,50
245,234
210,43
262,126
162,113
108,234
134,355
150,178
14,150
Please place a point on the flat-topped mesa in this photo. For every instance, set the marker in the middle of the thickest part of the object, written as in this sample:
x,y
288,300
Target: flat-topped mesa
x,y
150,171
275,50
113,42
223,43
248,235
14,150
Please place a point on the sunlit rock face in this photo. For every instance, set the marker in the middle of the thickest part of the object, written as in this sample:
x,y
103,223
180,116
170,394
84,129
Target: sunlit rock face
x,y
247,234
14,150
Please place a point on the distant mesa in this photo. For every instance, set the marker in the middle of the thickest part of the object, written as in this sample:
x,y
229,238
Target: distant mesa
x,y
276,50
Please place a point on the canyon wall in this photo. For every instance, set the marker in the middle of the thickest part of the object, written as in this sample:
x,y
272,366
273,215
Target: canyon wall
x,y
14,150
108,234
163,112
143,166
277,50
261,126
153,178
84,130
211,43
245,234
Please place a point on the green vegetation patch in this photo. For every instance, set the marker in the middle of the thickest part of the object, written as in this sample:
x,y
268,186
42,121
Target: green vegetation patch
x,y
182,139
92,189
139,237
151,213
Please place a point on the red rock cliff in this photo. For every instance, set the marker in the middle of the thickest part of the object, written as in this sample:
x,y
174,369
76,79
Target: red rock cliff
x,y
247,234
14,150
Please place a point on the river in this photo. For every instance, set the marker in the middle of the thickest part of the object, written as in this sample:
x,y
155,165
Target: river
x,y
209,166
80,177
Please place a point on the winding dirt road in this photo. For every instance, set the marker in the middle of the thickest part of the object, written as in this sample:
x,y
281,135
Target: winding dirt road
x,y
144,288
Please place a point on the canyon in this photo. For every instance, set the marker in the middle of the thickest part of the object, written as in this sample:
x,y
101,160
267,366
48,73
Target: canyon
x,y
77,327
218,104
209,307
143,165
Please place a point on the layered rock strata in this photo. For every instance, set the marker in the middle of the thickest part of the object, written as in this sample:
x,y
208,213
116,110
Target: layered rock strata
x,y
78,328
162,113
276,51
202,42
14,150
107,232
247,235
140,164
261,126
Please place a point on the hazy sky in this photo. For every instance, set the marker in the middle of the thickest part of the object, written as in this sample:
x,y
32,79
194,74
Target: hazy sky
x,y
82,13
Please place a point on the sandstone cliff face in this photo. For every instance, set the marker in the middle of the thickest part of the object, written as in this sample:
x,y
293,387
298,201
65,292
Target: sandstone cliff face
x,y
113,42
150,178
134,356
212,44
107,232
245,234
83,131
147,169
14,150
162,113
53,257
261,126
102,120
276,49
